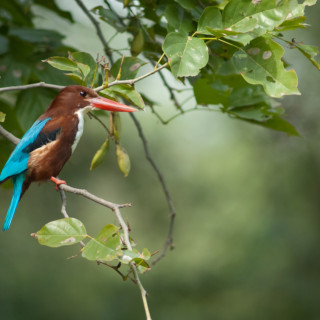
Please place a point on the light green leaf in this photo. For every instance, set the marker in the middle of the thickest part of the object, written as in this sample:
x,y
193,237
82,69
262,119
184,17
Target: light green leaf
x,y
292,24
187,54
137,43
105,247
123,159
129,68
63,232
255,17
87,65
76,78
128,92
2,116
62,63
310,52
210,18
260,63
297,9
100,155
138,258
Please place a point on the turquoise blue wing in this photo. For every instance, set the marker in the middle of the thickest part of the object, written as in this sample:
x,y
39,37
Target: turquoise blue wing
x,y
18,161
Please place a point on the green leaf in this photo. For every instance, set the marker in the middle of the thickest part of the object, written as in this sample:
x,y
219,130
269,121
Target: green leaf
x,y
76,77
62,63
31,104
138,258
137,43
187,54
211,91
4,44
116,125
88,67
256,17
247,96
105,247
292,24
63,232
100,155
45,36
297,9
129,69
123,159
51,5
109,17
187,4
178,19
2,116
211,17
310,52
260,63
278,124
128,92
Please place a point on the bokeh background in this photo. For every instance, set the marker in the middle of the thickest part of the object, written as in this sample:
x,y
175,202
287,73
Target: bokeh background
x,y
247,234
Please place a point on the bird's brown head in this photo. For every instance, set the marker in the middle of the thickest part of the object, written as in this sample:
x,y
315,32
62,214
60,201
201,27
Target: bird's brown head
x,y
75,98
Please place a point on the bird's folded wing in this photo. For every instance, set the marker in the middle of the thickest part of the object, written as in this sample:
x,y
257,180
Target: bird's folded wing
x,y
18,161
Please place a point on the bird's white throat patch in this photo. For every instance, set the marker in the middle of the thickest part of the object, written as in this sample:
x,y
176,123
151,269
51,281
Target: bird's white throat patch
x,y
79,133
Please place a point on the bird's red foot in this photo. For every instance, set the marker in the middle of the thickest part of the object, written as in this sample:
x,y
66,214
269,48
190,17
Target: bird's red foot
x,y
57,182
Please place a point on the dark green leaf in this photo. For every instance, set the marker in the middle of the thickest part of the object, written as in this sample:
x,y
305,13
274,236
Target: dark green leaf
x,y
31,104
210,91
88,66
178,19
4,44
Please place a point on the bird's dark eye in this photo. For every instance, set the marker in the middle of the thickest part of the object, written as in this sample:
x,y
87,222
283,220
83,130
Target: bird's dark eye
x,y
83,93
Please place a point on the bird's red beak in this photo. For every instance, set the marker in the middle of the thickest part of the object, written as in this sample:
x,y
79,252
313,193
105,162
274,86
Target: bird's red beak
x,y
106,104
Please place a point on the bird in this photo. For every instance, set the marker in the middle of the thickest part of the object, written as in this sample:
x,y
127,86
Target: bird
x,y
49,143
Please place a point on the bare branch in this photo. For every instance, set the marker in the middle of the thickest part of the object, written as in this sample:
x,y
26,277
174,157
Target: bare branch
x,y
9,135
32,85
131,81
169,241
98,29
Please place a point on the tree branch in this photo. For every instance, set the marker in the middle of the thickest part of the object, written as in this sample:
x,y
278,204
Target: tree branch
x,y
110,205
169,241
32,85
131,81
98,29
9,135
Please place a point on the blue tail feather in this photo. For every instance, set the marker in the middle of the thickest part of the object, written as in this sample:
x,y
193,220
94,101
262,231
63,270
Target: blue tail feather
x,y
17,189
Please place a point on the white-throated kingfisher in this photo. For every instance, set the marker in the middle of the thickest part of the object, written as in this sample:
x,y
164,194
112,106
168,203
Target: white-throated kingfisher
x,y
48,144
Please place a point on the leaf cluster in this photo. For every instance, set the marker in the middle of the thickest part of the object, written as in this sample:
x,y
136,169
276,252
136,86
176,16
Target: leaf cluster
x,y
107,247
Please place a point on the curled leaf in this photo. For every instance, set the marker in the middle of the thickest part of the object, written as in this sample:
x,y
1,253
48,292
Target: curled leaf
x,y
123,159
100,155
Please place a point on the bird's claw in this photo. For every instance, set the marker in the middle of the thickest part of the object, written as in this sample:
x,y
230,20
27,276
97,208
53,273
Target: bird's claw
x,y
57,182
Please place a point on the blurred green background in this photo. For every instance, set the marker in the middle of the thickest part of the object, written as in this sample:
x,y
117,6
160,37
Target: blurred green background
x,y
247,238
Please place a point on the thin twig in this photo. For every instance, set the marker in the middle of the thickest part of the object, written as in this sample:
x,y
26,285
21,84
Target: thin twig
x,y
32,85
169,241
131,81
98,29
